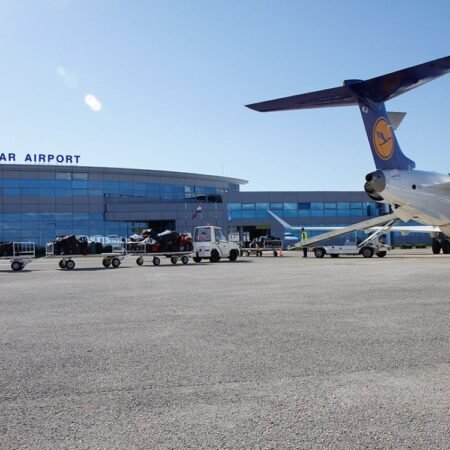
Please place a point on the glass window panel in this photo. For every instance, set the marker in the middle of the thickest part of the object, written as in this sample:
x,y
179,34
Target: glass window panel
x,y
80,192
63,184
330,213
248,206
316,205
262,213
234,206
304,205
316,213
63,192
79,184
80,176
11,191
12,183
276,206
262,206
111,186
290,206
330,205
248,214
63,175
355,205
304,213
153,187
95,192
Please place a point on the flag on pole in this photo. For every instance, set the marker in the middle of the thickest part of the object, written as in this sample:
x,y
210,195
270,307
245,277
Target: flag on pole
x,y
197,211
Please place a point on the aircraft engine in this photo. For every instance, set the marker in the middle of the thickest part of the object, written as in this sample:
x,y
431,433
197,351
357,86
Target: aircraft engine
x,y
375,184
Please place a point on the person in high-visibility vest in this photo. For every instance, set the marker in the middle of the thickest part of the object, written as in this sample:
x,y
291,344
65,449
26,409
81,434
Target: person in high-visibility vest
x,y
304,237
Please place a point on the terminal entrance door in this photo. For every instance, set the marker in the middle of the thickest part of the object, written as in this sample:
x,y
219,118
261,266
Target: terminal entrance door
x,y
255,231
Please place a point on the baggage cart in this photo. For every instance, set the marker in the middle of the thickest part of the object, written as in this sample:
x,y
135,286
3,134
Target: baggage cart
x,y
140,250
274,246
22,254
111,259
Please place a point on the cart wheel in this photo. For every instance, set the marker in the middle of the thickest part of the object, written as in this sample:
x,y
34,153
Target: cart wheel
x,y
156,261
62,264
140,261
184,259
115,263
197,259
174,259
70,264
16,266
106,262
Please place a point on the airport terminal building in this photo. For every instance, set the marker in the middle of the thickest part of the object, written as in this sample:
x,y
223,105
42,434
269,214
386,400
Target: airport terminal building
x,y
40,202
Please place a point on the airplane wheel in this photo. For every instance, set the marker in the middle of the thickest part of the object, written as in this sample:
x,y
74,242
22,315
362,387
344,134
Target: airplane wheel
x,y
367,252
446,247
436,247
319,252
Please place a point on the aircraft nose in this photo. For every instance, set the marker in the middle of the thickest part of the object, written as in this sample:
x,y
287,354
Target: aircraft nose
x,y
375,184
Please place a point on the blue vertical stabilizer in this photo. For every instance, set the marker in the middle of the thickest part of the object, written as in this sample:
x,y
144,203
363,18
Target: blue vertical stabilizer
x,y
370,96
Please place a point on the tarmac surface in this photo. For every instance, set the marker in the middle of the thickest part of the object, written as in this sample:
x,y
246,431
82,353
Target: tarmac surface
x,y
263,353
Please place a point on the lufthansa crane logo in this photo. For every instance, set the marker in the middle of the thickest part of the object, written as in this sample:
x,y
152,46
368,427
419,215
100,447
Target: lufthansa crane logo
x,y
383,138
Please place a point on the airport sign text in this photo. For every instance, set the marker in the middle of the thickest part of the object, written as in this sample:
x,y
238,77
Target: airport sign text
x,y
40,158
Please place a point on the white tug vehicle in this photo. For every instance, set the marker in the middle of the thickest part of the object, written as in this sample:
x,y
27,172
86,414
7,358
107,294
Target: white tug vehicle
x,y
210,243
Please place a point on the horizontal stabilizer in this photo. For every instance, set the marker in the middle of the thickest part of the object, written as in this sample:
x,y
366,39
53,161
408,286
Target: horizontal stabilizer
x,y
378,89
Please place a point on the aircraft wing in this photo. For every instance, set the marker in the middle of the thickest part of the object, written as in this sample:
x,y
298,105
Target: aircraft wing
x,y
403,229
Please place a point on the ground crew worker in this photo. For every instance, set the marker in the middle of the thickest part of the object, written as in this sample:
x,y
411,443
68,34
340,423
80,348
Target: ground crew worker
x,y
304,237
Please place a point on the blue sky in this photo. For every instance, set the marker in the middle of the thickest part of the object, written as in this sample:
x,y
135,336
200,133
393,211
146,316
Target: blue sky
x,y
173,76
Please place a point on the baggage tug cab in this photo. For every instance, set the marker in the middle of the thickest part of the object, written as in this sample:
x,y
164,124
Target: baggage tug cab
x,y
210,243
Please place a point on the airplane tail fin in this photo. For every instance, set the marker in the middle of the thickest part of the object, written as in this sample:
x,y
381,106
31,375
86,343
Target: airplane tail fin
x,y
370,95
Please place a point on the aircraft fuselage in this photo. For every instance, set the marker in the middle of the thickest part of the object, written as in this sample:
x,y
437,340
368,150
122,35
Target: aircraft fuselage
x,y
414,195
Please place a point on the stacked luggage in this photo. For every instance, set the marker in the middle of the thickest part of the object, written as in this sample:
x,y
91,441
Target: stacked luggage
x,y
72,245
166,242
6,249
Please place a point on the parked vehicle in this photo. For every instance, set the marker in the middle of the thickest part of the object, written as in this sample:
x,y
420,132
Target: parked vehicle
x,y
210,243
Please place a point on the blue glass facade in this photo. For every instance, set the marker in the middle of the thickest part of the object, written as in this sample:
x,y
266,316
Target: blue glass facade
x,y
38,203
